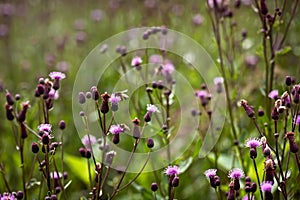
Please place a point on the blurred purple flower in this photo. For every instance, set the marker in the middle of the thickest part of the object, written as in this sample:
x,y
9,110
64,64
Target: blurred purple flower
x,y
211,3
114,99
62,66
53,94
198,19
88,142
167,69
273,94
156,59
218,80
3,30
150,3
298,120
80,37
79,24
236,173
96,15
172,170
201,94
152,108
210,173
266,186
136,61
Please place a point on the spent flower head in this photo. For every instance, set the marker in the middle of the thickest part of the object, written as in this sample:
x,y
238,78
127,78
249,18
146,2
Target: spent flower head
x,y
172,170
152,108
236,173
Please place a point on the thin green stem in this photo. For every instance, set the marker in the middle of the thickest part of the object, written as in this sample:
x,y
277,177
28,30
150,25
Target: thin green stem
x,y
257,176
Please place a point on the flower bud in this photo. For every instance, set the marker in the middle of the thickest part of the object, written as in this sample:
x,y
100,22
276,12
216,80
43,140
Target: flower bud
x,y
81,97
35,147
9,98
62,124
150,143
154,187
175,181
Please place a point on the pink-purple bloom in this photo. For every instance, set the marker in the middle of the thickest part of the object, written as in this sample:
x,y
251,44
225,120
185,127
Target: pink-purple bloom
x,y
152,108
218,80
114,99
57,75
253,142
236,173
273,94
298,120
136,61
96,15
201,94
156,59
172,170
266,186
210,173
45,128
53,94
168,68
116,129
88,140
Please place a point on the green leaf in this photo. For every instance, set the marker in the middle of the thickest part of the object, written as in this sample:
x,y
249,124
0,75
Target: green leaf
x,y
78,166
283,51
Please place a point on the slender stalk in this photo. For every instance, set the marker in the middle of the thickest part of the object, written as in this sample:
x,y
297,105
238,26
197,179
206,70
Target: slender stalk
x,y
126,168
22,166
4,179
257,176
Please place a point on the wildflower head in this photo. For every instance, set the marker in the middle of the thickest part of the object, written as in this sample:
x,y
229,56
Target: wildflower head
x,y
210,173
45,128
116,129
57,75
114,100
273,94
152,108
154,187
266,186
253,142
136,62
172,170
236,173
218,81
88,141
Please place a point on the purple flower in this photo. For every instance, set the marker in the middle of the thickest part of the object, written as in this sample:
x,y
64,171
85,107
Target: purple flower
x,y
198,19
53,94
88,142
266,186
152,108
136,61
298,120
96,15
218,80
253,142
116,129
45,128
114,99
236,173
168,68
273,94
210,173
57,75
172,170
201,94
156,59
211,3
7,196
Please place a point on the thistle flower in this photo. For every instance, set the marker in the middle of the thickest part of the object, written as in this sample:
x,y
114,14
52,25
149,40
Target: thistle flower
x,y
136,62
57,76
88,141
116,130
236,173
218,81
273,94
154,187
210,173
45,128
253,143
172,170
104,108
114,100
150,109
266,187
249,110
